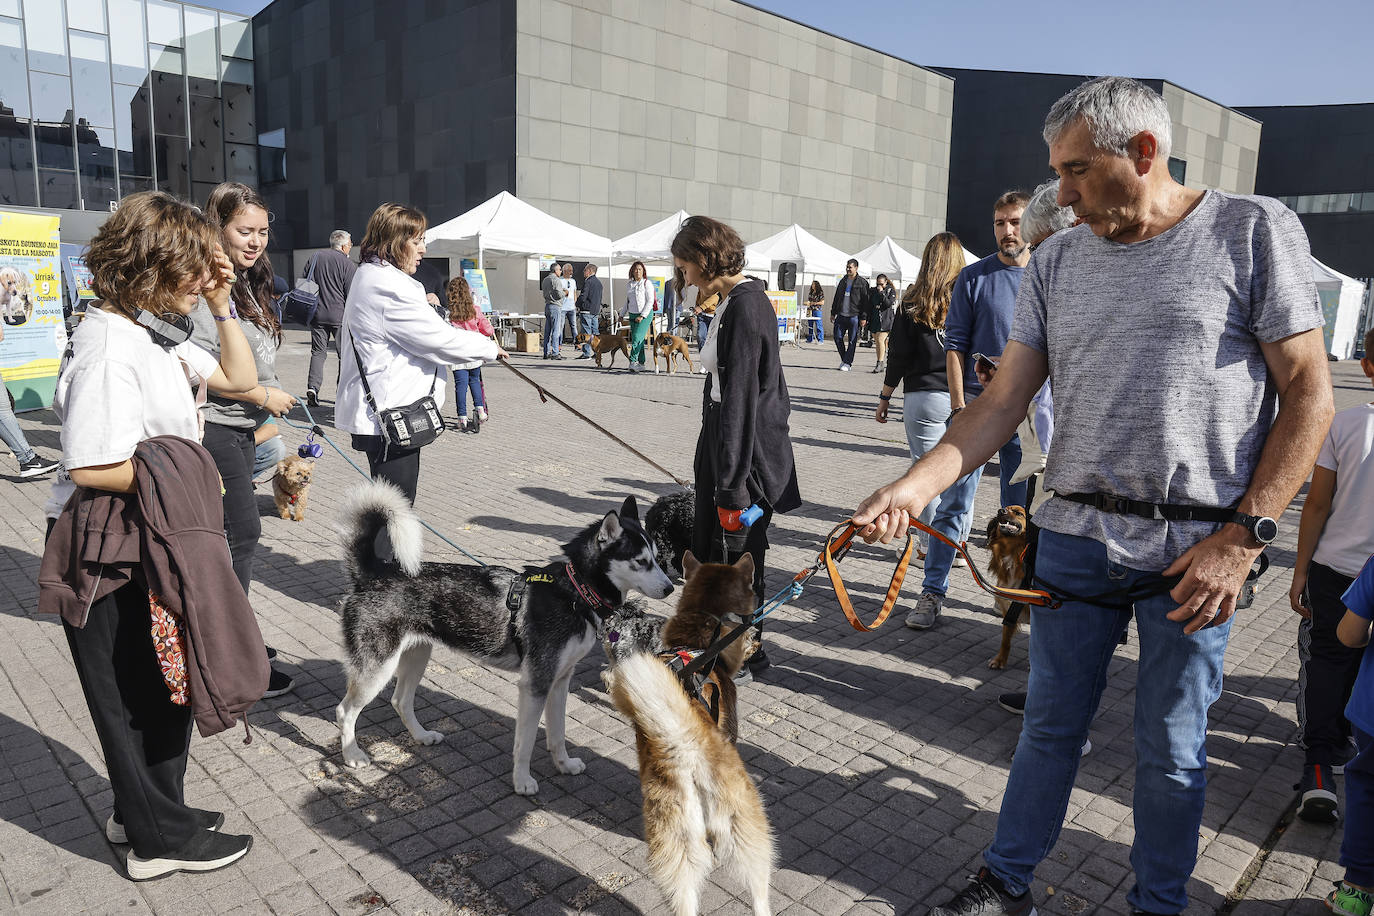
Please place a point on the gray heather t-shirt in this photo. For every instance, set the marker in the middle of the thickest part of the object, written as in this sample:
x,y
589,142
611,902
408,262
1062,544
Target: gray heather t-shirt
x,y
223,411
1161,392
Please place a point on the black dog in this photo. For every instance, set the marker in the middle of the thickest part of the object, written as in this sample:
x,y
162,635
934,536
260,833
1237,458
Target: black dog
x,y
669,523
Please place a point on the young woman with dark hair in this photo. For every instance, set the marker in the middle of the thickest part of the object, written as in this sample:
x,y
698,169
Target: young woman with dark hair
x,y
815,319
233,417
744,453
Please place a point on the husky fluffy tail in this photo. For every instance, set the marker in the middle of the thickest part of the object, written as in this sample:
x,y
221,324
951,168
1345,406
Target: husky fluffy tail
x,y
697,794
380,532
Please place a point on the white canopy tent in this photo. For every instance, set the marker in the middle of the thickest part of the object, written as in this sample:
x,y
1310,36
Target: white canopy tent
x,y
508,225
1341,297
887,257
652,243
794,243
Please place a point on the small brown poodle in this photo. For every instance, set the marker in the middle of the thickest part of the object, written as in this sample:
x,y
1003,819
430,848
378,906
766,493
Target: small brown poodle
x,y
291,487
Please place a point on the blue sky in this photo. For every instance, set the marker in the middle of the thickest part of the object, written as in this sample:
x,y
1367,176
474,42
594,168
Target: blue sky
x,y
1237,52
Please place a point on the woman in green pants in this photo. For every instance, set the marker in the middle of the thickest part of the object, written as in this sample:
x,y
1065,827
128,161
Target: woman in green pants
x,y
640,303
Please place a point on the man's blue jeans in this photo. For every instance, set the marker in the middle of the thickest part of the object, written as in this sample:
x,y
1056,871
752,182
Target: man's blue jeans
x,y
1179,678
846,324
11,433
553,328
588,322
703,328
954,516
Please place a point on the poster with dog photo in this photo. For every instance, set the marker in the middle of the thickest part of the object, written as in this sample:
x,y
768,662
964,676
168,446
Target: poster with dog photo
x,y
30,307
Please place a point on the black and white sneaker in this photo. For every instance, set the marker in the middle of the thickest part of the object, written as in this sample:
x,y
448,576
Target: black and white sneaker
x,y
206,851
1014,703
36,467
115,833
1318,803
985,896
279,682
312,398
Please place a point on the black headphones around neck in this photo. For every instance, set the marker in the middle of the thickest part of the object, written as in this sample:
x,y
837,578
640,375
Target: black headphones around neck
x,y
166,332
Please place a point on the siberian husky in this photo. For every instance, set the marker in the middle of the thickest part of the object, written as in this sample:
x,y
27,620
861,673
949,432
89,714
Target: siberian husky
x,y
540,622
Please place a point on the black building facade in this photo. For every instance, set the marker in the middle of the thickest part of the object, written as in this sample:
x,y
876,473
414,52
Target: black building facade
x,y
410,101
1319,160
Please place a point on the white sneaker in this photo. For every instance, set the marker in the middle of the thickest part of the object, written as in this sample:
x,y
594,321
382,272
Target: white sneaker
x,y
959,563
1087,747
482,414
206,851
844,367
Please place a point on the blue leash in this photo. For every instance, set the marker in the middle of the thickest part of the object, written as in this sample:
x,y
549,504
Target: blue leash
x,y
314,429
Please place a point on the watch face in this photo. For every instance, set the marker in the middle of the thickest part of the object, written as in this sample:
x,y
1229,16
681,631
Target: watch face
x,y
1265,530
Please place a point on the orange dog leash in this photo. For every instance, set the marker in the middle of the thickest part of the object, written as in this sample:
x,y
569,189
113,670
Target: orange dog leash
x,y
841,538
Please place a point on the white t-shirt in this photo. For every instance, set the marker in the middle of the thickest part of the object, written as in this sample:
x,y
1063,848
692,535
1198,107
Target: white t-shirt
x,y
569,293
1347,541
710,353
118,389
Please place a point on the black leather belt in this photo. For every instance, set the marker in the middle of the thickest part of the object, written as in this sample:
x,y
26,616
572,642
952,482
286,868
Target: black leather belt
x,y
1120,505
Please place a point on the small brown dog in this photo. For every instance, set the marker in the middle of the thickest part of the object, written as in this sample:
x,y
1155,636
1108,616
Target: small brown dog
x,y
291,487
605,343
1007,543
671,348
700,806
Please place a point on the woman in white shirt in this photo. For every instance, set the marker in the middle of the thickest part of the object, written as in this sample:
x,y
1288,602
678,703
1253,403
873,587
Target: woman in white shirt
x,y
126,381
391,333
640,302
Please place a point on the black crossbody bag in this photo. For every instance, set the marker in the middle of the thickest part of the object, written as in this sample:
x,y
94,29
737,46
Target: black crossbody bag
x,y
412,426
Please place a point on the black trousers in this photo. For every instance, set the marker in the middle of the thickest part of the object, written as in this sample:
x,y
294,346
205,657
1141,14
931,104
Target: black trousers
x,y
323,338
1326,670
400,466
233,450
708,541
144,736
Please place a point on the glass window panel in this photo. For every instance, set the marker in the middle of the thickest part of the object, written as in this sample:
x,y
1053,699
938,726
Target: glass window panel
x,y
173,167
10,8
271,164
235,36
46,33
58,189
134,130
128,46
52,96
1367,201
169,95
239,114
207,141
95,156
168,60
86,14
164,22
55,147
91,80
131,184
16,163
14,73
241,163
238,71
202,47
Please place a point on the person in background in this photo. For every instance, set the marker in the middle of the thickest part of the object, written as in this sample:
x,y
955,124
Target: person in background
x,y
638,310
333,271
569,283
705,311
1334,541
30,464
744,451
232,418
881,311
851,297
120,386
392,333
918,363
551,287
467,375
815,321
589,307
1354,895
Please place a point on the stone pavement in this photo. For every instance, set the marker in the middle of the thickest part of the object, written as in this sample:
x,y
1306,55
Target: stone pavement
x,y
882,756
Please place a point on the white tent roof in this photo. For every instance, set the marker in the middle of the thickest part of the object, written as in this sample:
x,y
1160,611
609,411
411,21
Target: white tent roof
x,y
508,225
796,244
887,257
1341,297
652,243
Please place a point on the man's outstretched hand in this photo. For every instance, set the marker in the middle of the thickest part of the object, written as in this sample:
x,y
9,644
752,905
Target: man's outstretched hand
x,y
888,512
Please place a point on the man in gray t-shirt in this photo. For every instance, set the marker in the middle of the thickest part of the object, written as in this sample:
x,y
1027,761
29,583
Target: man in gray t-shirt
x,y
552,290
1182,334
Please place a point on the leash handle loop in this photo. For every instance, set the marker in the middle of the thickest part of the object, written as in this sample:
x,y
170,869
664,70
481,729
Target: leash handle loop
x,y
837,544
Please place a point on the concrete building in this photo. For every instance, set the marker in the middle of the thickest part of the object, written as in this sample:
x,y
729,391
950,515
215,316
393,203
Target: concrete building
x,y
102,98
606,115
996,142
1317,160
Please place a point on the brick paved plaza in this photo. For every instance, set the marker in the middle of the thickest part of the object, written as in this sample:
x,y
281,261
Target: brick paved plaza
x,y
881,756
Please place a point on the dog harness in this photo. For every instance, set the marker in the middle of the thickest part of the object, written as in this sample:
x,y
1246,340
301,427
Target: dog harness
x,y
588,603
694,680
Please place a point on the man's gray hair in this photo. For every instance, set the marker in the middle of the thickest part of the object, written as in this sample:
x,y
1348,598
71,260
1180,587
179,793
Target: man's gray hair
x,y
1043,217
1115,108
339,238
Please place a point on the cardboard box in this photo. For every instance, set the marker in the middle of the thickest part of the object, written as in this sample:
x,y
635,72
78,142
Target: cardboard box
x,y
527,341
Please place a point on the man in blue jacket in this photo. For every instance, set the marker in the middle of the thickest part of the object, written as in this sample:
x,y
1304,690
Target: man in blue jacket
x,y
979,321
589,307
